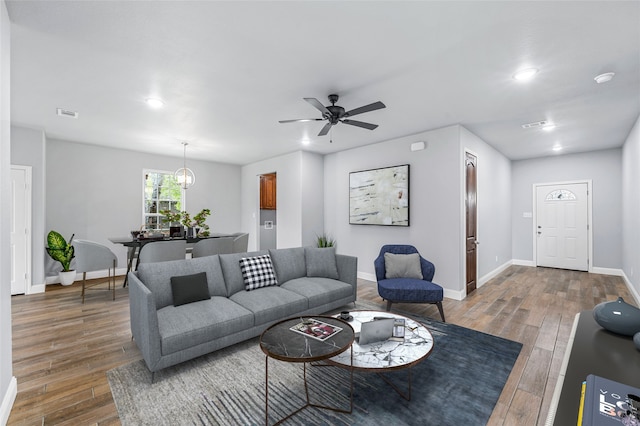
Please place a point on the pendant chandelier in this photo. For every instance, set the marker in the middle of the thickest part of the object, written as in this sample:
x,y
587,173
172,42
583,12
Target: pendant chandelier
x,y
184,176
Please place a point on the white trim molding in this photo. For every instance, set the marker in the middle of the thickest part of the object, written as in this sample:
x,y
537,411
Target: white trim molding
x,y
521,262
7,400
486,277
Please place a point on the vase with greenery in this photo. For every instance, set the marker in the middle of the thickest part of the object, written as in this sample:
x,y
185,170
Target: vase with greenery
x,y
325,240
62,251
185,219
173,218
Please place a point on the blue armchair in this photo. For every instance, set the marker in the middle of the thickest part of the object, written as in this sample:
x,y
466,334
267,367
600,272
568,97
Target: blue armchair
x,y
407,290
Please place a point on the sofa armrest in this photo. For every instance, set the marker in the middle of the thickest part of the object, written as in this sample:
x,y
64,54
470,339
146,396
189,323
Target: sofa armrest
x,y
144,321
348,270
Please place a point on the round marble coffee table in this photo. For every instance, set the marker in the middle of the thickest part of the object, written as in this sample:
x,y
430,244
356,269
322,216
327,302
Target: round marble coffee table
x,y
312,342
388,355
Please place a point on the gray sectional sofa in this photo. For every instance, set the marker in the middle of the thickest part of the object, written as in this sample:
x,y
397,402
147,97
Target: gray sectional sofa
x,y
309,281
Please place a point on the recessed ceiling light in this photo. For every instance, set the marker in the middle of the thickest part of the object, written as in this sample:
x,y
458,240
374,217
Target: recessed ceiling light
x,y
154,102
548,127
557,148
525,74
603,78
306,141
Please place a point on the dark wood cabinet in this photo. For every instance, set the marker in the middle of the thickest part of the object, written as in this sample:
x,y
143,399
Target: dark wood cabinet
x,y
268,191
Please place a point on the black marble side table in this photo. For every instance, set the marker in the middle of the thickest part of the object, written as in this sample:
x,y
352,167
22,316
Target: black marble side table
x,y
281,343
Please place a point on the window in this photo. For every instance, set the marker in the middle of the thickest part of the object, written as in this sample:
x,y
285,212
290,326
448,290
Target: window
x,y
560,195
161,192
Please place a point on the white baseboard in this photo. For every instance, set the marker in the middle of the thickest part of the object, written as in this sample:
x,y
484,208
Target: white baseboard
x,y
455,295
631,288
36,288
520,262
8,400
606,271
367,276
485,278
90,276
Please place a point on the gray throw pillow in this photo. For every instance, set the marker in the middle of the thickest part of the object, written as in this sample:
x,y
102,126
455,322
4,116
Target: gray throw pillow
x,y
321,262
402,266
189,288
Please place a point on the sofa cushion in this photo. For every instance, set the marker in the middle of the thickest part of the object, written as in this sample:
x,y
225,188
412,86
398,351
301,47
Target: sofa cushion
x,y
289,263
402,266
185,326
321,262
319,291
230,264
157,276
271,303
189,288
257,272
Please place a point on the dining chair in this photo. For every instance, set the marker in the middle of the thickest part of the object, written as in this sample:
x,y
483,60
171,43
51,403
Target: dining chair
x,y
90,257
162,251
211,246
240,242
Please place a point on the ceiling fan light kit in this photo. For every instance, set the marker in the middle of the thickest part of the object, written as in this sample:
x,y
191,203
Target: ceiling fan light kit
x,y
335,114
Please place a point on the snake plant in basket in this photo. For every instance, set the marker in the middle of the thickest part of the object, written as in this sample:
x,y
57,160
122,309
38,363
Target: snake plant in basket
x,y
62,251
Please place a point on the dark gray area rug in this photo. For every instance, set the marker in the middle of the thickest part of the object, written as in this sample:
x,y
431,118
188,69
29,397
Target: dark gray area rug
x,y
459,384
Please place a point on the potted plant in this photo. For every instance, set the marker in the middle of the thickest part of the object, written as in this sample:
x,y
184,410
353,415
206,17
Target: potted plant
x,y
199,220
325,240
184,218
63,252
174,218
197,225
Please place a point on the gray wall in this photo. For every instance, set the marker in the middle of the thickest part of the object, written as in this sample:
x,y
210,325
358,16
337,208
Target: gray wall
x,y
96,192
436,202
7,381
631,207
299,198
604,169
28,149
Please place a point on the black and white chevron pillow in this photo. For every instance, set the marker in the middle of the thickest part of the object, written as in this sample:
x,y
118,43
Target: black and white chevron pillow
x,y
257,272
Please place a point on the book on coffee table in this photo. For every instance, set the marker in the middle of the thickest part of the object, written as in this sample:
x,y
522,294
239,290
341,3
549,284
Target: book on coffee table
x,y
315,329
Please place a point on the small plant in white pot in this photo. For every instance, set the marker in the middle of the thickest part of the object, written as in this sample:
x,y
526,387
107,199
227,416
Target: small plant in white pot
x,y
63,252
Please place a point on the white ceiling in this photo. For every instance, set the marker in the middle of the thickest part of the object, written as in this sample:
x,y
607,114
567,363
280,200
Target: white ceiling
x,y
228,71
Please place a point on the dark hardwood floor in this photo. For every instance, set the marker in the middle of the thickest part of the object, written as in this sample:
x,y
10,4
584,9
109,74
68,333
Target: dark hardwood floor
x,y
62,348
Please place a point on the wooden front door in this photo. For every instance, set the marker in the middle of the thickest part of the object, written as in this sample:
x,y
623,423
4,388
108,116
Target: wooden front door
x,y
471,220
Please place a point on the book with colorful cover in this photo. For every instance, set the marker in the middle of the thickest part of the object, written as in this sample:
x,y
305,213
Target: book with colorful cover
x,y
604,402
316,329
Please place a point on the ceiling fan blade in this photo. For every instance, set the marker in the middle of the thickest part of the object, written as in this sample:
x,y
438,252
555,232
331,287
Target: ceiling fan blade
x,y
316,103
300,120
360,124
325,129
371,107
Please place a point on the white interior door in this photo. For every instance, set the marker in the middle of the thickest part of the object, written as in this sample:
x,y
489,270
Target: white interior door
x,y
562,226
20,229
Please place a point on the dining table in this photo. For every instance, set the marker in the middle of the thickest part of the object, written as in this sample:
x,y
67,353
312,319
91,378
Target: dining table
x,y
134,245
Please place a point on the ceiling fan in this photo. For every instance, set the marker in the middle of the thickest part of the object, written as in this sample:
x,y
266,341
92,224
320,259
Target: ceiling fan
x,y
335,114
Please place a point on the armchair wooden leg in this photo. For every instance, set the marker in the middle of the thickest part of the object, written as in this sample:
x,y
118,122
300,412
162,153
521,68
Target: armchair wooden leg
x,y
389,305
439,305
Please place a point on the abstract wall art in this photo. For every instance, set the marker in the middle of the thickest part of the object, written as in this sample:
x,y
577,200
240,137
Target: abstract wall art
x,y
379,196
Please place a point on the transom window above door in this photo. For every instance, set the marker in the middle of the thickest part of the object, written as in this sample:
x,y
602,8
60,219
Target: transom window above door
x,y
560,195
